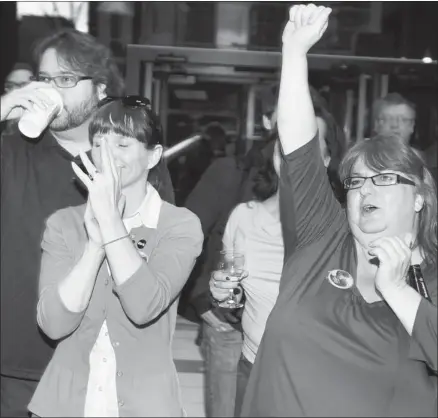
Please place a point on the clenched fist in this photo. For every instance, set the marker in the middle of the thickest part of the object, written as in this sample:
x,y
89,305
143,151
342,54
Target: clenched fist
x,y
305,27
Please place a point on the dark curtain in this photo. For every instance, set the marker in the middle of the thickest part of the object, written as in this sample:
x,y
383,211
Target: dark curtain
x,y
8,38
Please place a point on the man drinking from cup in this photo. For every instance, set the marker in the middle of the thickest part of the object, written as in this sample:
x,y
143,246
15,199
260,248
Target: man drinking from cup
x,y
37,180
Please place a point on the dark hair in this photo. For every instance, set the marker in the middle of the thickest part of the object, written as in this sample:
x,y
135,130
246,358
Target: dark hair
x,y
215,130
140,123
387,152
265,183
216,136
335,140
83,53
134,122
391,99
21,66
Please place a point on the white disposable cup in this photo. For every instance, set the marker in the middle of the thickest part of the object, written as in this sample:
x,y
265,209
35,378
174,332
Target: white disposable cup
x,y
33,122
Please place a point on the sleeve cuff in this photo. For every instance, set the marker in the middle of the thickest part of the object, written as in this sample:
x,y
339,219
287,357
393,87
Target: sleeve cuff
x,y
424,344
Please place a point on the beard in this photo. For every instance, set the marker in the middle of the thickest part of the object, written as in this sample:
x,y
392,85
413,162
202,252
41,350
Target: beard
x,y
72,118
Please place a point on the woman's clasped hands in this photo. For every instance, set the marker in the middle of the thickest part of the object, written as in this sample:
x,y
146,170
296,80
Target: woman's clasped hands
x,y
105,199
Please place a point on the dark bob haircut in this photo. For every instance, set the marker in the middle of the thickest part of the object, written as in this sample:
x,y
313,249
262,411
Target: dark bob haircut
x,y
140,123
82,53
390,153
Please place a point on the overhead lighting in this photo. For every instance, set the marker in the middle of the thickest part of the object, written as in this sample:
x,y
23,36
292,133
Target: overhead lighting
x,y
191,94
182,79
427,59
121,8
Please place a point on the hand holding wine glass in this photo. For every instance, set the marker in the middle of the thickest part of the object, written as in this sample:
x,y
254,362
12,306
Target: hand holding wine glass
x,y
225,281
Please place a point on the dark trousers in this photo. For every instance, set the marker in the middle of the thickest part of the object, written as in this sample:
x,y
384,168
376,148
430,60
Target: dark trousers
x,y
243,371
15,395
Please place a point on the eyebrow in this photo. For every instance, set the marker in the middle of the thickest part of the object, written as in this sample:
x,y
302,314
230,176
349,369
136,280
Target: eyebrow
x,y
59,73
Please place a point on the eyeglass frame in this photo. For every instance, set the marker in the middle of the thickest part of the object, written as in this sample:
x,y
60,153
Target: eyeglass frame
x,y
399,180
50,79
401,120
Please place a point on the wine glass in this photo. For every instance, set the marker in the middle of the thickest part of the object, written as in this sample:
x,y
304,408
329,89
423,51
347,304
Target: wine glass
x,y
232,264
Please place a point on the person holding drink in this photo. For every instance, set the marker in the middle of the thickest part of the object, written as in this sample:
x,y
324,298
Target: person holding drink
x,y
354,329
252,260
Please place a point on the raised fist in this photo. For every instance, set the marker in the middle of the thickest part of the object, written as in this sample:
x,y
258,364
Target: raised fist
x,y
305,27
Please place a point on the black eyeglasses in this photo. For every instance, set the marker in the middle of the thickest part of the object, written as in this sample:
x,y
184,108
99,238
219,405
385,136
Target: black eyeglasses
x,y
129,101
384,179
62,81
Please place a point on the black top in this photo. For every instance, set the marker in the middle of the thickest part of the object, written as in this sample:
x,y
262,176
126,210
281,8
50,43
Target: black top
x,y
325,350
36,180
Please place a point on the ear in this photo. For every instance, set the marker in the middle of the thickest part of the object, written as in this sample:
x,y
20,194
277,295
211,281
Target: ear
x,y
419,202
101,91
154,156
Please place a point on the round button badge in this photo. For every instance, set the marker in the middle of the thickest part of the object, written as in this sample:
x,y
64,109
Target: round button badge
x,y
340,279
141,244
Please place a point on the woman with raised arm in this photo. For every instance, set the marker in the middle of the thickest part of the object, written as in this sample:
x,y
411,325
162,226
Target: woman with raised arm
x,y
354,329
111,274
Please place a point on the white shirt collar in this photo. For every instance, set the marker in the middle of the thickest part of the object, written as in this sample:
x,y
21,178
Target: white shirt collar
x,y
148,213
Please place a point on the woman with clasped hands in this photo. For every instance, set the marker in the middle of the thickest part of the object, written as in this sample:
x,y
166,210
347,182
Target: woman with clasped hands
x,y
110,278
349,335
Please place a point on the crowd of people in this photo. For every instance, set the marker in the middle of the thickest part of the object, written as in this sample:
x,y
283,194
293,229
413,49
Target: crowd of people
x,y
339,294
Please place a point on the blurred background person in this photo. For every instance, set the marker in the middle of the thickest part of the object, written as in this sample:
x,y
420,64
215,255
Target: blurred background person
x,y
253,229
200,157
226,183
20,75
393,114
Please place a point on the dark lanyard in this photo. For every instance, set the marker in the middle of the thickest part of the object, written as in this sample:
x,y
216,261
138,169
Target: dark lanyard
x,y
416,281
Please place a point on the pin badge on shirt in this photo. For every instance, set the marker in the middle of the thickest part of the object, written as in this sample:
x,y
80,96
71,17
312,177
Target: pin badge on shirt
x,y
340,279
141,244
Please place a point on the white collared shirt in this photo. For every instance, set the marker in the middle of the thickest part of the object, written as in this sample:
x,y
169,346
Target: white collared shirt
x,y
101,399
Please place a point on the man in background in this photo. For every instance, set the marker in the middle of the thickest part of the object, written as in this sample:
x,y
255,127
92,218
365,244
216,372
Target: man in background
x,y
37,180
393,114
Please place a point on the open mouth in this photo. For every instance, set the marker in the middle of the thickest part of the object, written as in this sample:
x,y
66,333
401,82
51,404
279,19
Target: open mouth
x,y
369,208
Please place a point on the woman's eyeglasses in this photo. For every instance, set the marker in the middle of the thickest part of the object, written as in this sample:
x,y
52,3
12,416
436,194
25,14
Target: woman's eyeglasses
x,y
385,179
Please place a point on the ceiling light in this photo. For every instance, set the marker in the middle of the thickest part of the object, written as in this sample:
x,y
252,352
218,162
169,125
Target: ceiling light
x,y
427,59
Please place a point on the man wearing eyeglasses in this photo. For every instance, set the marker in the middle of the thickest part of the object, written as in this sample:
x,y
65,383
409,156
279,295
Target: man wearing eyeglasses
x,y
393,114
36,181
